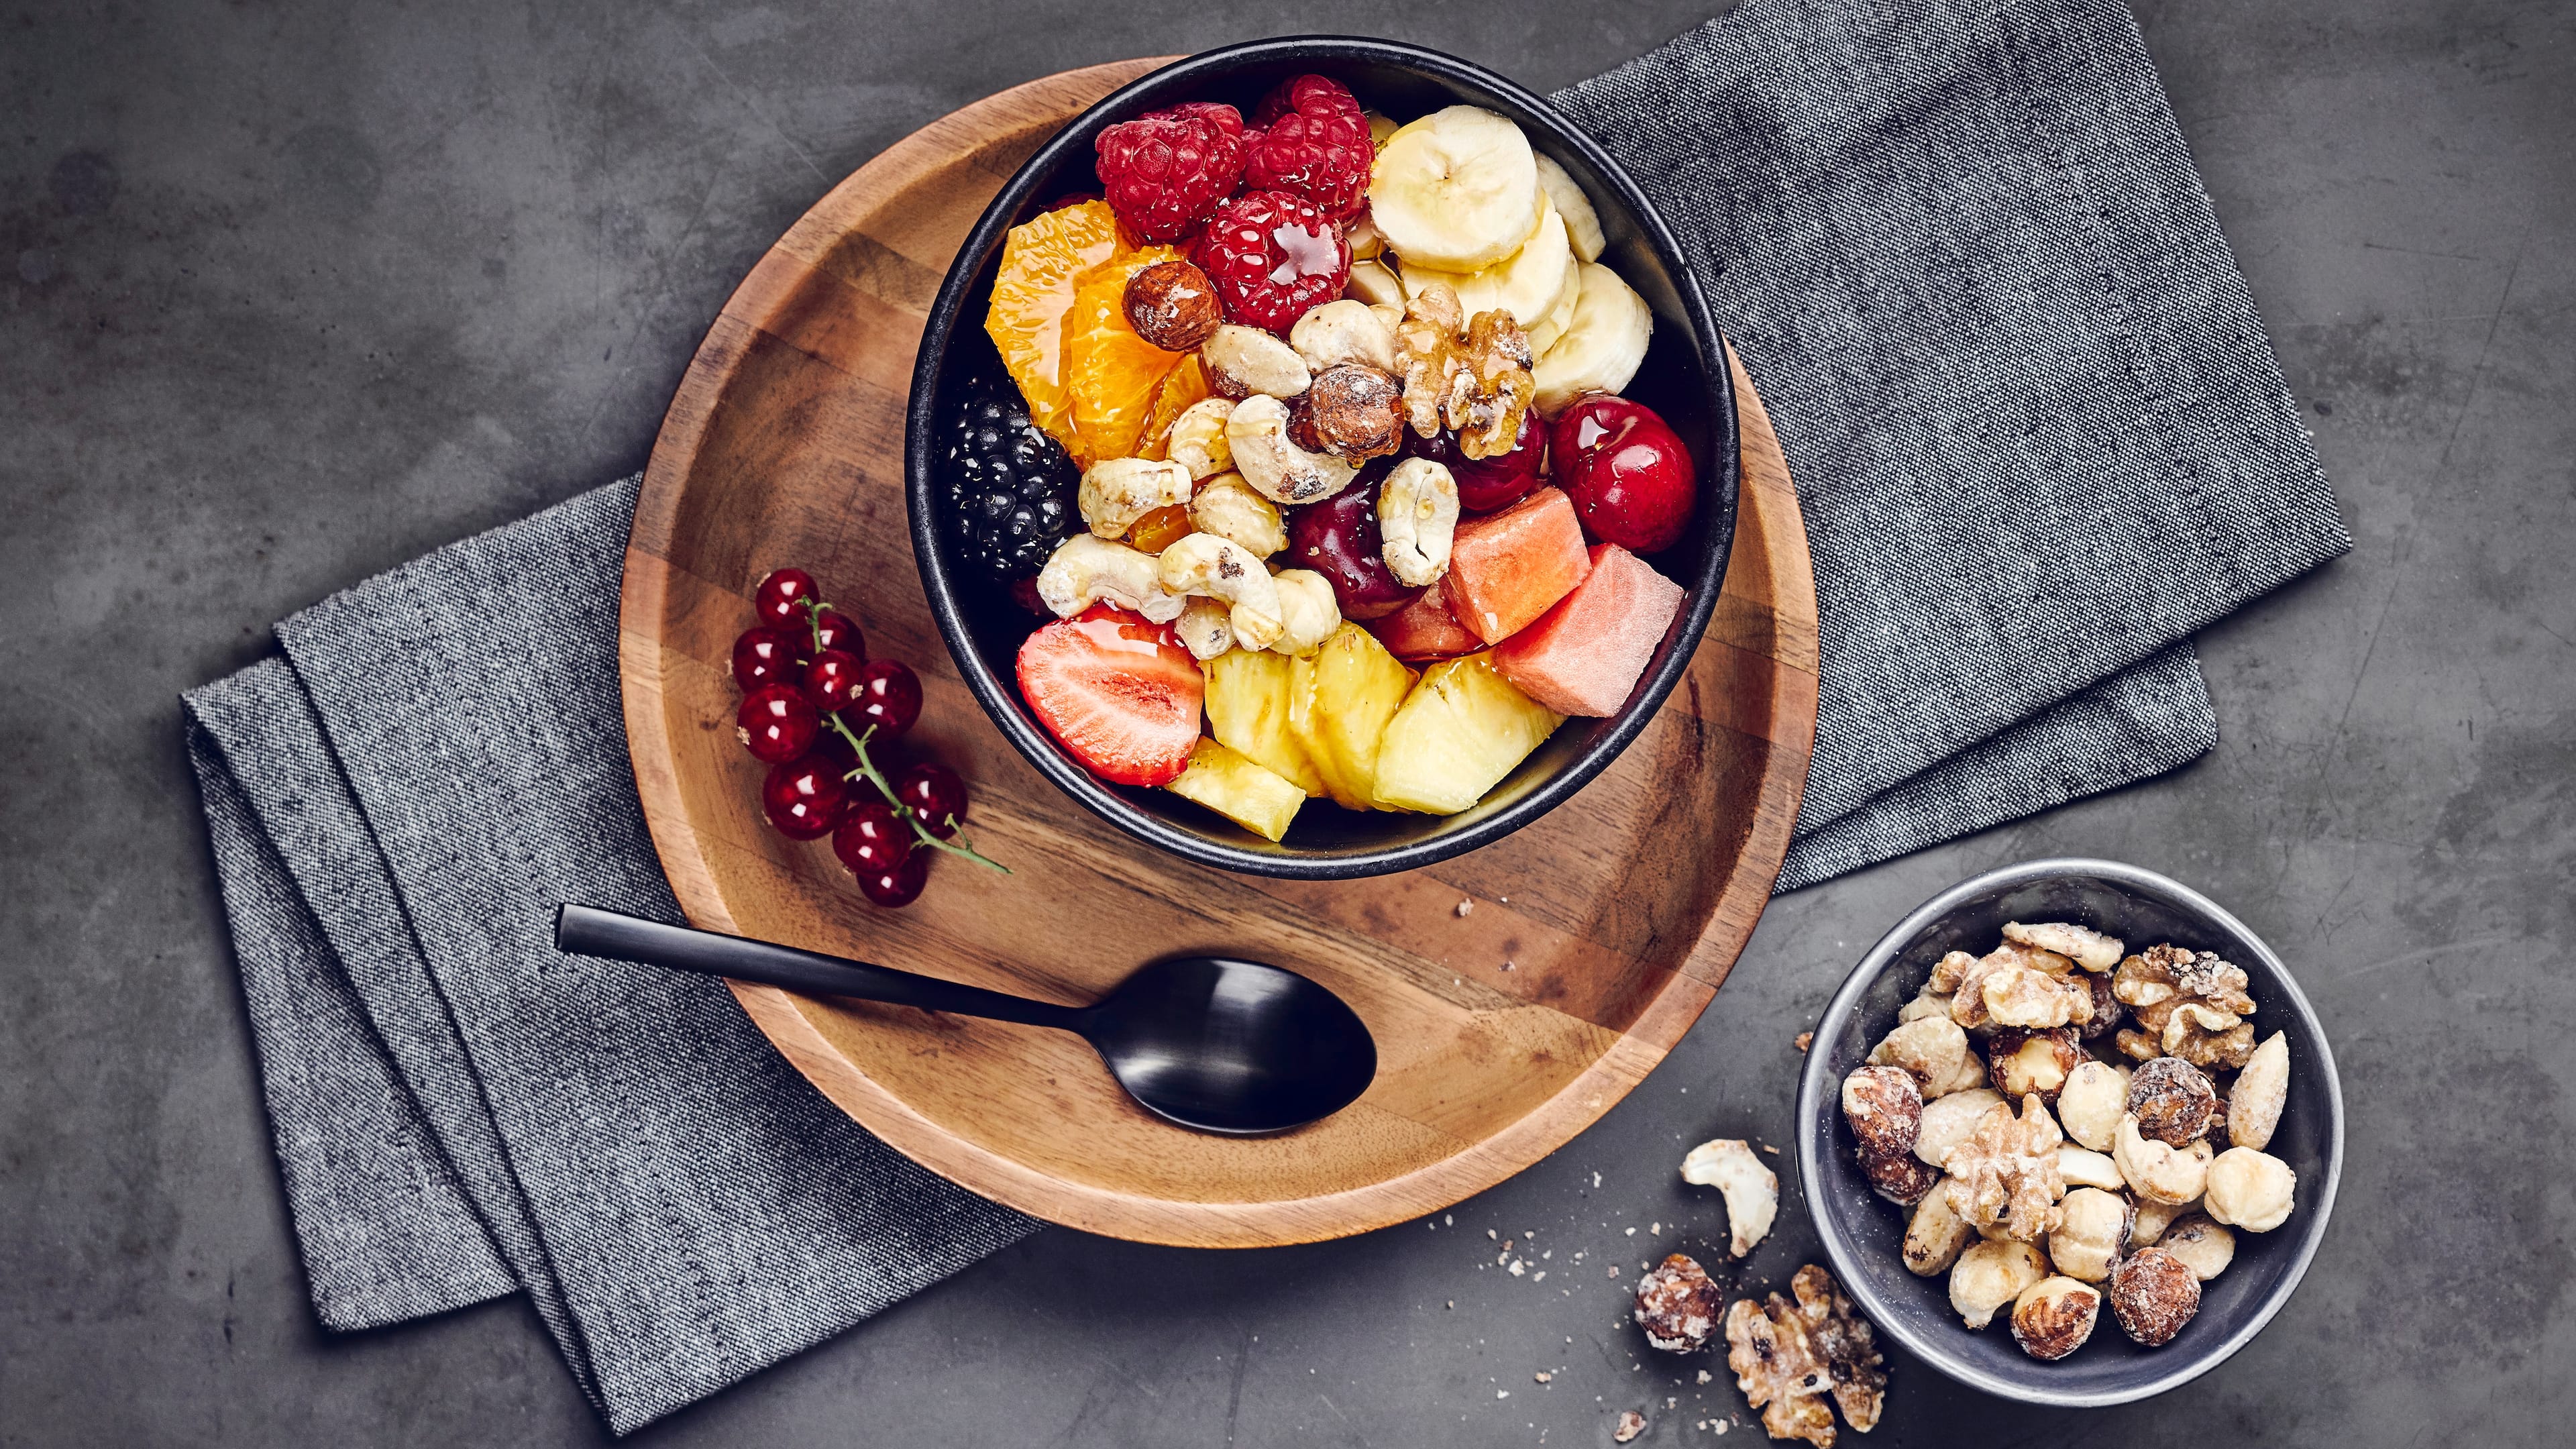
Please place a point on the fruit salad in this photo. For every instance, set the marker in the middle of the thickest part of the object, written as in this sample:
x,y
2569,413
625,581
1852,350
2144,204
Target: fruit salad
x,y
1307,444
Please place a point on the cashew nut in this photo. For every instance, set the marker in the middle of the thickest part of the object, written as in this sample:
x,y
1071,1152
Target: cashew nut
x,y
1220,568
1343,331
1376,285
1206,626
1751,1190
1277,468
1229,509
1307,609
1417,513
1198,437
2157,1172
1246,361
1084,570
1116,492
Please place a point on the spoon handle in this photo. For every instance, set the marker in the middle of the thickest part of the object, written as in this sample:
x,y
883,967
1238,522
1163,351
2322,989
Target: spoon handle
x,y
591,931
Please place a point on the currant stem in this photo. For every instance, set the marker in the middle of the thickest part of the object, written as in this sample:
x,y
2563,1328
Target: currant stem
x,y
814,624
867,767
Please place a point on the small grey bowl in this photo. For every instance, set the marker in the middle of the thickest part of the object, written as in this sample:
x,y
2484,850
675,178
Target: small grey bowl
x,y
1861,1231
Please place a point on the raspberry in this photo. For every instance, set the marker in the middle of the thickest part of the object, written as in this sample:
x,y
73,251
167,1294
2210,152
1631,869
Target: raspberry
x,y
1164,170
1272,257
1310,138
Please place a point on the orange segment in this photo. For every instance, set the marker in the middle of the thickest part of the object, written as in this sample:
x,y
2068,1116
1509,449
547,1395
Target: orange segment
x,y
1110,373
1182,386
1041,263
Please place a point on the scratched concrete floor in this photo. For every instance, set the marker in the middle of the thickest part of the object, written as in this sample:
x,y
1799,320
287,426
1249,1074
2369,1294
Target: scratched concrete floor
x,y
295,291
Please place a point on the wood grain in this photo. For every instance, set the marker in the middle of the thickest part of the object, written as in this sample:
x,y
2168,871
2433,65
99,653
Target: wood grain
x,y
1598,934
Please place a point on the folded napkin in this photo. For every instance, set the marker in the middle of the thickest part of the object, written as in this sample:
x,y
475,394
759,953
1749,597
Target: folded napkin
x,y
2039,438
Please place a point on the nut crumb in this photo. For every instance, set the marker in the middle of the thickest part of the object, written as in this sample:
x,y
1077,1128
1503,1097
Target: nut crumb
x,y
1631,1424
1703,1376
1542,1376
1805,1040
1465,906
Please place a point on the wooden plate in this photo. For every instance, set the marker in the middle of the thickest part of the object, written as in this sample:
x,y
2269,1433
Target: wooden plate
x,y
1596,935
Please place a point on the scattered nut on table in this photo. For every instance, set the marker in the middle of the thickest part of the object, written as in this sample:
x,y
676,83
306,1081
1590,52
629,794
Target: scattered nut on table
x,y
1788,1357
1677,1304
1751,1190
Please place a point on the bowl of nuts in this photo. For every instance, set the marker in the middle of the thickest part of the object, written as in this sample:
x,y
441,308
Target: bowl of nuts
x,y
2070,1133
1320,458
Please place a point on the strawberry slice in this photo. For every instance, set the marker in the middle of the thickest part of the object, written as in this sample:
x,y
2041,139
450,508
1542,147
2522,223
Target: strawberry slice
x,y
1121,693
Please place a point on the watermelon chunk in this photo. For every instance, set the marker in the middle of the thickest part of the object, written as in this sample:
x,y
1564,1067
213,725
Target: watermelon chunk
x,y
1584,655
1507,568
1425,629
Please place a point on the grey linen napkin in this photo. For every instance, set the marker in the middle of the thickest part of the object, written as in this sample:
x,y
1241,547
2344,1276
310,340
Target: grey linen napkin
x,y
2039,437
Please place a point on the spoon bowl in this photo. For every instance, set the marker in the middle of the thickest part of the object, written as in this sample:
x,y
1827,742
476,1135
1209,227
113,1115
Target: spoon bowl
x,y
1236,1048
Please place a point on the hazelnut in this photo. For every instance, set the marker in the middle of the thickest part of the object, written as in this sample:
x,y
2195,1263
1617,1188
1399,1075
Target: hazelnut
x,y
2083,1167
2251,1190
1678,1304
2172,1100
1929,1047
2107,1013
2159,1172
1901,1177
1173,306
1935,1234
1352,411
1947,1121
1884,1108
2254,1105
1991,1274
2054,1316
2091,1233
2153,1218
2153,1294
2203,1246
2090,1104
2025,1062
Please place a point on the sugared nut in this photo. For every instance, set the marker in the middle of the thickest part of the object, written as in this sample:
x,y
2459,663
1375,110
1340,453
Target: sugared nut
x,y
2054,1316
2251,1190
1272,462
2084,1167
1229,508
1948,972
2157,1172
1779,1370
2172,1100
2007,1171
2026,996
1244,361
1173,306
1947,1121
1115,492
1343,331
1677,1305
2087,947
1885,1110
2046,962
1968,995
1970,1073
2107,1012
2091,1234
2254,1102
1837,1334
2204,1247
1930,1048
1197,439
1901,1178
1353,412
2207,1036
1991,1273
2090,1104
1629,1426
2025,1063
1751,1190
1929,1003
2157,981
2153,1218
1935,1234
2153,1294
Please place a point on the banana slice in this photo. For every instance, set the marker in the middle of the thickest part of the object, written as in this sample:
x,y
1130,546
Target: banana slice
x,y
1525,284
1544,332
1374,282
1582,223
1456,190
1601,347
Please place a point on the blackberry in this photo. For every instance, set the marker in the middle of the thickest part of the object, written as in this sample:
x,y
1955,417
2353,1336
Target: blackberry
x,y
1012,489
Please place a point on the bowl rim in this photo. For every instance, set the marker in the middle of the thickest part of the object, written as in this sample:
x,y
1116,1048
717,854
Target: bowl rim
x,y
1843,1253
1000,700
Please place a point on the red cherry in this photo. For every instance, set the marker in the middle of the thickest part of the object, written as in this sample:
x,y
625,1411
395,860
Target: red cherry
x,y
833,629
767,656
888,696
804,797
1631,479
1489,485
1339,539
780,599
832,680
899,886
776,723
871,839
934,793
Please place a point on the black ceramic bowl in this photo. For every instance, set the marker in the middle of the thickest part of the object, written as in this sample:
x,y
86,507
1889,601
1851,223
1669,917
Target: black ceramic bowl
x,y
1684,378
1861,1231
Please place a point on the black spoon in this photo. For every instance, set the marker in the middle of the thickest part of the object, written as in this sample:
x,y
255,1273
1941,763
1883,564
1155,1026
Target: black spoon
x,y
1233,1047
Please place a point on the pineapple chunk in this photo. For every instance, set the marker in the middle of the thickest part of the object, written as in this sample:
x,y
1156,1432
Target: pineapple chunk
x,y
1460,732
1238,789
1247,710
1339,700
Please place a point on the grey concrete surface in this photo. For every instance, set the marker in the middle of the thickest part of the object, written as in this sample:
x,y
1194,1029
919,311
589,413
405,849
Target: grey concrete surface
x,y
292,291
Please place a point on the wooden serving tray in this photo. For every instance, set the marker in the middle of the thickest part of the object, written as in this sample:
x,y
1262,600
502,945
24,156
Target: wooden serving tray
x,y
1597,934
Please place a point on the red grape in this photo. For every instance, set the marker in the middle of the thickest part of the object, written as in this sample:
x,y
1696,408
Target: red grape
x,y
888,696
804,797
1339,539
776,723
872,839
934,793
832,680
767,656
836,630
780,599
899,886
1631,479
